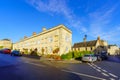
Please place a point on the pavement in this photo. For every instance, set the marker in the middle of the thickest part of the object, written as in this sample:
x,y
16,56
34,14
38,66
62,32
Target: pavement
x,y
52,60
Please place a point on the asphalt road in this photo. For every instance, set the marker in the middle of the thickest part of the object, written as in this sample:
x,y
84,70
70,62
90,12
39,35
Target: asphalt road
x,y
22,68
104,70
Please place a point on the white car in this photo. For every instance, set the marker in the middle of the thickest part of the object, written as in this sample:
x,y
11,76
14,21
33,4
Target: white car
x,y
89,58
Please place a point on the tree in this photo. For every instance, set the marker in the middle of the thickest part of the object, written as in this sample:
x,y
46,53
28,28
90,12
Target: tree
x,y
42,50
1,47
56,50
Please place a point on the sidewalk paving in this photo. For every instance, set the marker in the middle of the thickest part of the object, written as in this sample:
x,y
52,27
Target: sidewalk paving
x,y
59,61
51,59
31,56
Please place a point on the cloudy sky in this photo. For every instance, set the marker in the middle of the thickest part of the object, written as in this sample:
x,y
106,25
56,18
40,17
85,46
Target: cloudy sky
x,y
19,18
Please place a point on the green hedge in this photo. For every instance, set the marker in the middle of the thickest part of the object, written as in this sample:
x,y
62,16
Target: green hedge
x,y
67,55
75,54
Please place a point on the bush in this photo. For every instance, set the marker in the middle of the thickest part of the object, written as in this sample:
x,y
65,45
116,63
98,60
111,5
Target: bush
x,y
68,55
75,54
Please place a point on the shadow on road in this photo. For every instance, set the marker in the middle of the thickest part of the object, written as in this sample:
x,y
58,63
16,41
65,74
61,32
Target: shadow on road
x,y
114,59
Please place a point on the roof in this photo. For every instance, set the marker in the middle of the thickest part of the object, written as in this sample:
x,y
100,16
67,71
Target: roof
x,y
6,39
47,31
111,45
84,44
88,44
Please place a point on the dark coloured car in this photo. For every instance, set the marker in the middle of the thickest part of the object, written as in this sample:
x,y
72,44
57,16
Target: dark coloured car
x,y
101,56
16,53
104,56
1,51
6,51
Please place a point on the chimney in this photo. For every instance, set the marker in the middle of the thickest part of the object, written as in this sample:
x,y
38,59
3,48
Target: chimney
x,y
34,33
25,37
98,38
44,29
84,39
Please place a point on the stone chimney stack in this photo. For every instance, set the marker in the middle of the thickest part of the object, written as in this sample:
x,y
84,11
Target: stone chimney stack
x,y
34,33
98,38
25,37
84,39
44,29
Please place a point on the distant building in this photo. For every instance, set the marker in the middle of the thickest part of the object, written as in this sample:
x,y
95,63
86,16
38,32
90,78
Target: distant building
x,y
96,46
5,43
49,41
113,49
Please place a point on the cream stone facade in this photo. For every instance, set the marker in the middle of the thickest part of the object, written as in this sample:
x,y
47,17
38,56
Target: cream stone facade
x,y
5,43
96,46
113,49
47,41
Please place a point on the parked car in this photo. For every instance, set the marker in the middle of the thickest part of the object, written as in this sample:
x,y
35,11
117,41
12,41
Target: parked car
x,y
101,56
89,58
16,53
6,51
1,51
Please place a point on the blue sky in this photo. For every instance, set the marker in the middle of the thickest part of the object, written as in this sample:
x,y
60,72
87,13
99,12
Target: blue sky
x,y
19,18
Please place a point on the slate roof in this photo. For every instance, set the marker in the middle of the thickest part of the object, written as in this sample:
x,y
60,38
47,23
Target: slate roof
x,y
6,39
87,44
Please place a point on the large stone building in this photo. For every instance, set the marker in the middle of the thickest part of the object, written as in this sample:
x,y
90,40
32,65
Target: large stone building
x,y
96,46
5,43
57,38
113,50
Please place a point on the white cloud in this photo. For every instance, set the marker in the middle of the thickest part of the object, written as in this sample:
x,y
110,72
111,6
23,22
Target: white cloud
x,y
100,21
58,7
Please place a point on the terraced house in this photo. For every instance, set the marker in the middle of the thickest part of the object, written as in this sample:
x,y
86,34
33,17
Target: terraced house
x,y
57,38
5,43
96,46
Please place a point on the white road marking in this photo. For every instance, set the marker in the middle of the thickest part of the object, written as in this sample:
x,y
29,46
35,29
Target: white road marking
x,y
89,64
105,74
40,65
98,70
94,67
104,70
80,74
113,75
99,67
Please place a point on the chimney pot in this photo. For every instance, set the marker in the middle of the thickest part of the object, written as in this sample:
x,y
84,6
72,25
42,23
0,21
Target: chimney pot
x,y
44,29
34,33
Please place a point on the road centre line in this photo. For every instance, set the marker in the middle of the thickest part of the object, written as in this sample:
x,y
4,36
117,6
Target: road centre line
x,y
113,75
106,73
98,70
104,70
80,74
96,66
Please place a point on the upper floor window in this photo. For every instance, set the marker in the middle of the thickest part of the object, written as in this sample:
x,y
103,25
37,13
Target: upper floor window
x,y
66,49
38,42
50,48
50,39
67,38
